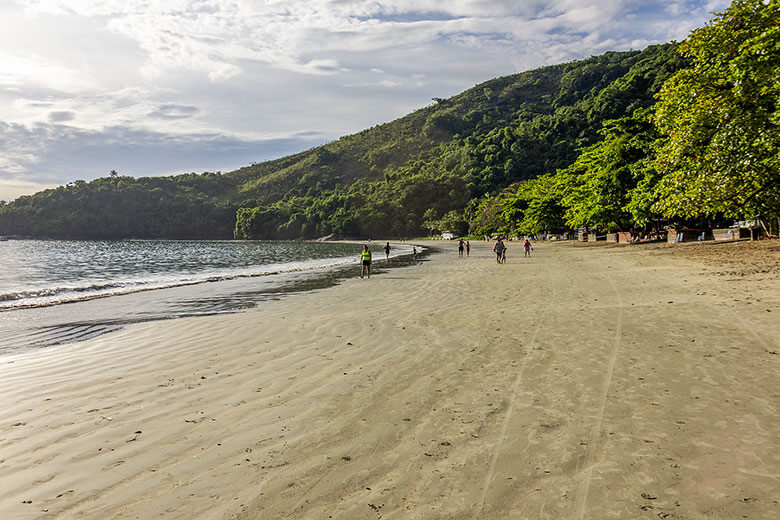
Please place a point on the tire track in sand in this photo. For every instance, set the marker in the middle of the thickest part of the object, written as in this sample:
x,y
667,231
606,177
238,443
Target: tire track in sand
x,y
581,494
505,425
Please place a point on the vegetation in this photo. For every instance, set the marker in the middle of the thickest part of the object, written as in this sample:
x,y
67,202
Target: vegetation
x,y
706,151
185,206
719,118
621,140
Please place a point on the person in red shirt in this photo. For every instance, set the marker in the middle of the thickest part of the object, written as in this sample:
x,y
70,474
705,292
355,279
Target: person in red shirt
x,y
527,247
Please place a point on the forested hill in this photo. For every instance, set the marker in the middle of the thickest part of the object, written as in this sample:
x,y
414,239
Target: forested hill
x,y
384,181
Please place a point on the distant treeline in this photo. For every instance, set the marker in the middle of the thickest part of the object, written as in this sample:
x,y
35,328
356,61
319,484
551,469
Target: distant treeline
x,y
184,206
676,132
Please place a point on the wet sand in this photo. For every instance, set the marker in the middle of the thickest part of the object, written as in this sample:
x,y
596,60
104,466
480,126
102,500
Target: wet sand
x,y
580,383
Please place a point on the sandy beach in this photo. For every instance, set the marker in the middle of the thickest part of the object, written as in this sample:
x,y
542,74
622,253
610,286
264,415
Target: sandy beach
x,y
581,383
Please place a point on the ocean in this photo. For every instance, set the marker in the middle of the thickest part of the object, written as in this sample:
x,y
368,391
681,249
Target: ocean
x,y
61,291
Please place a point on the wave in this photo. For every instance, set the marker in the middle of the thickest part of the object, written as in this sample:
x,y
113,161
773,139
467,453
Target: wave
x,y
87,290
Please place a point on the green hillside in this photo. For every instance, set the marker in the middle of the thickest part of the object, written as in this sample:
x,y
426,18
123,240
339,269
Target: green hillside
x,y
386,180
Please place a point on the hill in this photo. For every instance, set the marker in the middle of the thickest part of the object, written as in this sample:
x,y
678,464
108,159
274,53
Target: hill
x,y
387,180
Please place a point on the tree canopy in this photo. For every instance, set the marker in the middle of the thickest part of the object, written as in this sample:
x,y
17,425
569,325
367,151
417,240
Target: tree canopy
x,y
719,118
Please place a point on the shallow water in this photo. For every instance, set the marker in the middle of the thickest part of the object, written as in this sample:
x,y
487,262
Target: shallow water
x,y
54,292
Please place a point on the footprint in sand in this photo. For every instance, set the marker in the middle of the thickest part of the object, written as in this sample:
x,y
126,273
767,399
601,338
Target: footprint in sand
x,y
43,480
113,465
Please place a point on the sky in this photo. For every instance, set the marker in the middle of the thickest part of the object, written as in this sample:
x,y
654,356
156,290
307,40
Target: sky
x,y
161,87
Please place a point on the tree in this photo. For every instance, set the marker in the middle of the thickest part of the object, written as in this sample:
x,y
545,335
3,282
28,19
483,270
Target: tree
x,y
544,211
454,222
431,220
719,118
598,186
489,215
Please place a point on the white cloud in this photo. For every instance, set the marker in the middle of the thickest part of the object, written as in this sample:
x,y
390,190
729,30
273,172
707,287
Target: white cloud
x,y
53,150
384,83
15,188
19,69
214,36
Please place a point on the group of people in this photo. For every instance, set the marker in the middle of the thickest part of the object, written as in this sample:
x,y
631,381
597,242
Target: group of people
x,y
500,250
463,247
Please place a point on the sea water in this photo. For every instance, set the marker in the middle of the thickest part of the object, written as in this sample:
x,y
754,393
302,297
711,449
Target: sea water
x,y
61,291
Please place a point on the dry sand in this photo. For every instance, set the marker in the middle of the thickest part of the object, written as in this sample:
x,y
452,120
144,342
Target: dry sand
x,y
582,383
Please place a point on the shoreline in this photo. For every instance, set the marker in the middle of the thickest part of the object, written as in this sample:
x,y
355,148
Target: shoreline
x,y
48,325
578,383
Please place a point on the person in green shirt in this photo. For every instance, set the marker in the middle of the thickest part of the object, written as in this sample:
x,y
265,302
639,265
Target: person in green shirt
x,y
365,256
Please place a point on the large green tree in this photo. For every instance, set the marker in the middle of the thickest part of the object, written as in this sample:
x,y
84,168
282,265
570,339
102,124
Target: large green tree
x,y
719,118
544,211
597,187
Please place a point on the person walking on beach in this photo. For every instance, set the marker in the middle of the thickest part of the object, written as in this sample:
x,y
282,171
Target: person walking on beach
x,y
414,254
468,248
365,256
500,250
527,247
387,252
460,248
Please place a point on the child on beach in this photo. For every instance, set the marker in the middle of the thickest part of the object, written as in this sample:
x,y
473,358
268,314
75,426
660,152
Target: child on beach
x,y
527,247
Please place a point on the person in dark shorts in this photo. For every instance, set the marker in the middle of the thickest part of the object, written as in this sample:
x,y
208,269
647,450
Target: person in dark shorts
x,y
500,250
387,252
365,258
527,247
460,248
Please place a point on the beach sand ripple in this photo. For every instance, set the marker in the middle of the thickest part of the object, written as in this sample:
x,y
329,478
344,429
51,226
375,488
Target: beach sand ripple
x,y
583,382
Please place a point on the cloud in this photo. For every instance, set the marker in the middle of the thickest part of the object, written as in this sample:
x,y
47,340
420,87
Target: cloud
x,y
216,39
59,116
173,112
18,69
50,155
11,189
213,38
388,83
